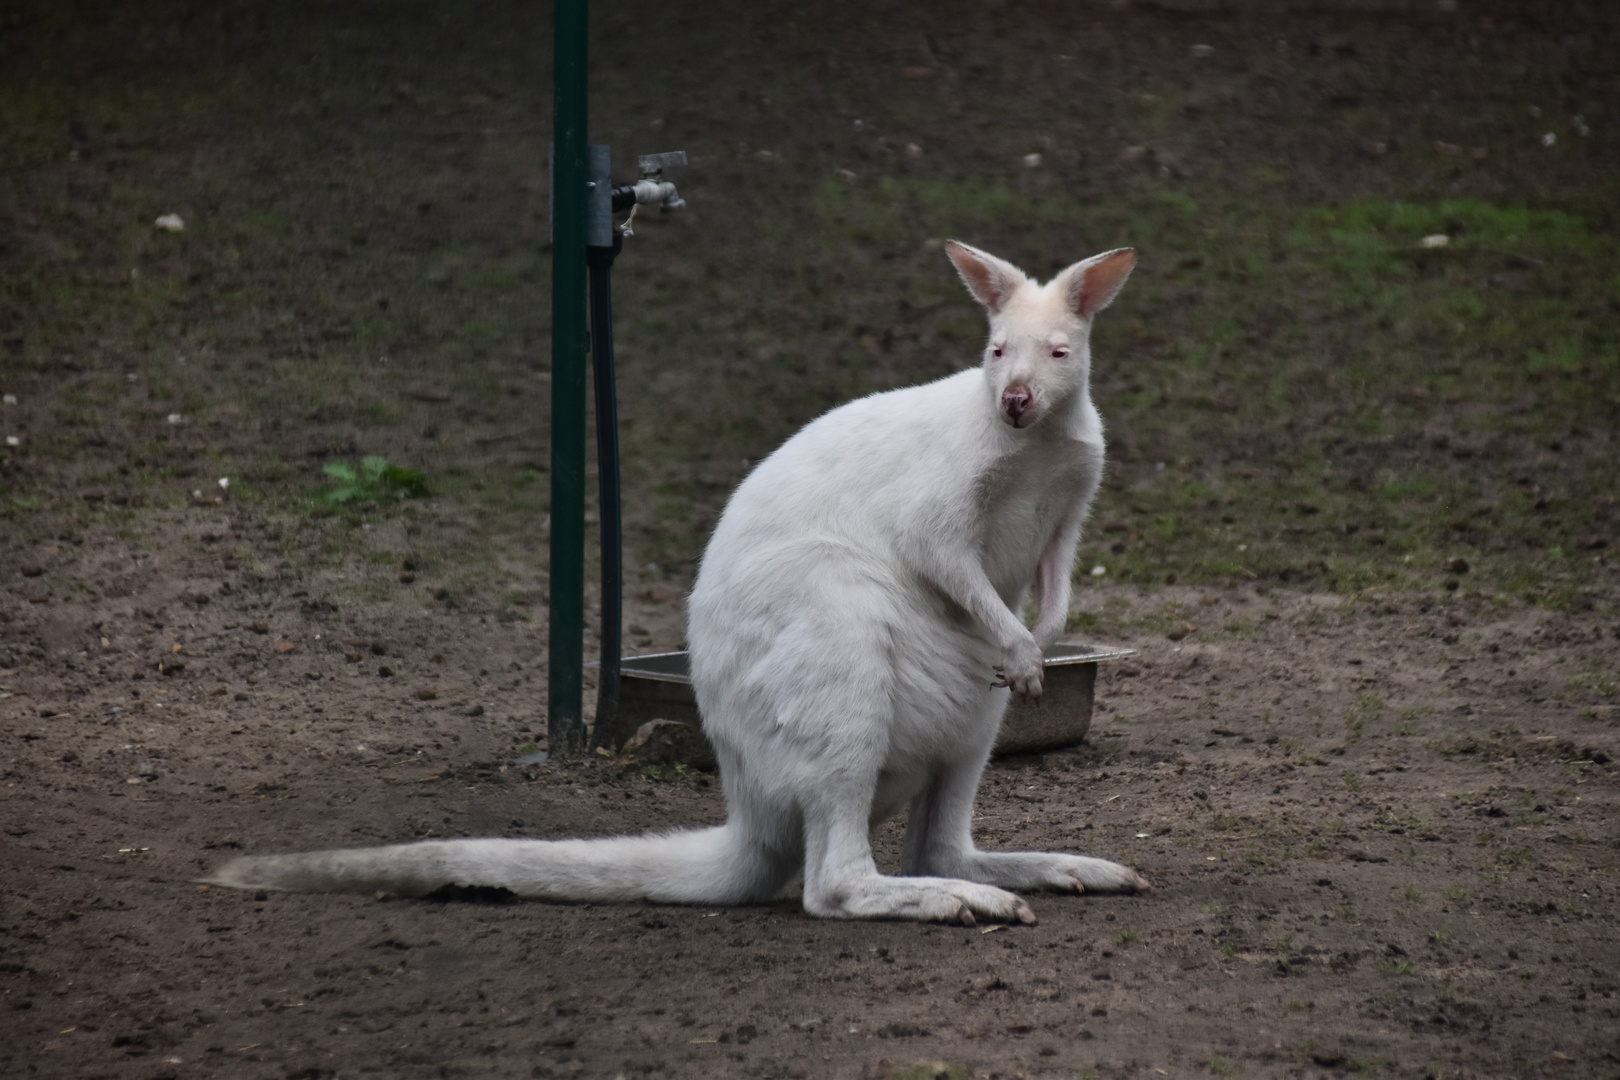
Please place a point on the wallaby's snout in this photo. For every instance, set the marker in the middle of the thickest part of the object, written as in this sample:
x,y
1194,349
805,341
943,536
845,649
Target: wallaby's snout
x,y
1017,405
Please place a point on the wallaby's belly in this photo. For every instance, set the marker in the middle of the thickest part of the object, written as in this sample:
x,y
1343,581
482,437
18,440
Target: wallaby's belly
x,y
800,646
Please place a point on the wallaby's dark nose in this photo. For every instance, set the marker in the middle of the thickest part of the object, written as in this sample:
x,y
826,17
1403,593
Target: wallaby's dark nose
x,y
1015,402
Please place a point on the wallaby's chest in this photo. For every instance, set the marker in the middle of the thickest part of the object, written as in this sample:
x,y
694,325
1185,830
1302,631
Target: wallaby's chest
x,y
1024,499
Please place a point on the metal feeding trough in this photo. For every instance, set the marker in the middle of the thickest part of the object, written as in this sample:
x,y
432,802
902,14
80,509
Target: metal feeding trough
x,y
659,687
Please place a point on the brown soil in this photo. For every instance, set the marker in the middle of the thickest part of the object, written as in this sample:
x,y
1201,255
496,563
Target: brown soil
x,y
1382,827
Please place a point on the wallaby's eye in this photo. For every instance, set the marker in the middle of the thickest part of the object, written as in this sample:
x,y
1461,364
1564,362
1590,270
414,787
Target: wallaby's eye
x,y
1060,352
996,351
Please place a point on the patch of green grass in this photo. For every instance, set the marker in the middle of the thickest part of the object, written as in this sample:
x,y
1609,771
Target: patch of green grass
x,y
1423,338
1219,1066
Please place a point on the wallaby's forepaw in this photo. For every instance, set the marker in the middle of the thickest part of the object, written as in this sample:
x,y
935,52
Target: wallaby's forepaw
x,y
1021,673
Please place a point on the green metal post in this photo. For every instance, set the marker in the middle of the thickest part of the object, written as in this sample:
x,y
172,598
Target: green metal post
x,y
566,721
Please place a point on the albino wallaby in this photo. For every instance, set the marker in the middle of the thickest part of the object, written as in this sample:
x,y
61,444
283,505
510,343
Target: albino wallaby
x,y
858,592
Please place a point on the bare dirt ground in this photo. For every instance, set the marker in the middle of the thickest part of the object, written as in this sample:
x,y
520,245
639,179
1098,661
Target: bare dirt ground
x,y
1381,822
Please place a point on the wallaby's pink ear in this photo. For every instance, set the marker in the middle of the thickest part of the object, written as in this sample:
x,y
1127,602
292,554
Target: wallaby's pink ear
x,y
989,279
1092,284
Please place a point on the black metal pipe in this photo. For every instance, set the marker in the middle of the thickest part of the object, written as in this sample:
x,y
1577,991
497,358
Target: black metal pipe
x,y
599,261
565,723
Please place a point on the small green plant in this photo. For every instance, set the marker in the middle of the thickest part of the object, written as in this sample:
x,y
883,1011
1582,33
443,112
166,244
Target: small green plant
x,y
1456,894
1413,896
927,1070
1222,1067
1517,857
375,481
1125,936
1369,706
1388,820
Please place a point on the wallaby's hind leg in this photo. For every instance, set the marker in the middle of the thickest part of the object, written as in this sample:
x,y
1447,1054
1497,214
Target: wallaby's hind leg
x,y
832,738
939,840
842,881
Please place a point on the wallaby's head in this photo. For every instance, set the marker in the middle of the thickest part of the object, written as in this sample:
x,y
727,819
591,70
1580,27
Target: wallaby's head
x,y
1039,352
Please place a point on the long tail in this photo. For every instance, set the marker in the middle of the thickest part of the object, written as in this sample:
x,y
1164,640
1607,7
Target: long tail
x,y
703,866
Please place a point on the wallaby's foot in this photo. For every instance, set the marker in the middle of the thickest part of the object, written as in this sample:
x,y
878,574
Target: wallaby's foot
x,y
1046,870
922,899
1079,873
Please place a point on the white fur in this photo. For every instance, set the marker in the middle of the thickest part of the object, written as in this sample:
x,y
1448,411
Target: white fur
x,y
852,628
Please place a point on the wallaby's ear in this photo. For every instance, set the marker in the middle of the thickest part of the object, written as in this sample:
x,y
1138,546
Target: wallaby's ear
x,y
989,279
1090,286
